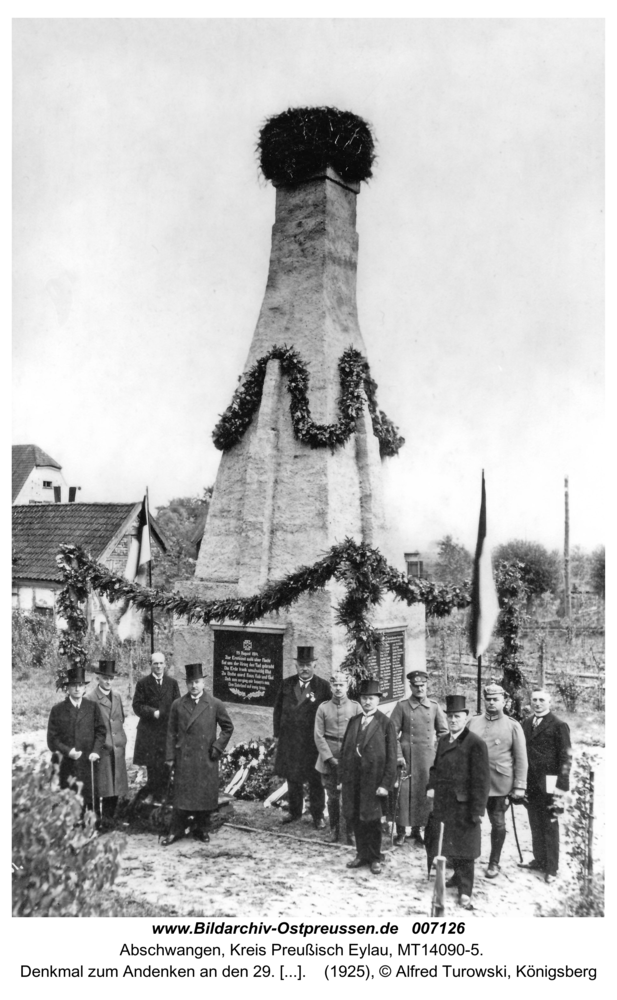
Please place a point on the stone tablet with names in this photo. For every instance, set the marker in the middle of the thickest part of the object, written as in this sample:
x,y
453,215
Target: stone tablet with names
x,y
387,665
248,666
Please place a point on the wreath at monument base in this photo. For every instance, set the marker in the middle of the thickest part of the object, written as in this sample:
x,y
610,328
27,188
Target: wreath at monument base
x,y
355,381
363,571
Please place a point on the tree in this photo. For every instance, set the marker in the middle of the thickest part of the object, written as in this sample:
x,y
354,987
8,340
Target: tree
x,y
180,521
597,573
540,569
454,563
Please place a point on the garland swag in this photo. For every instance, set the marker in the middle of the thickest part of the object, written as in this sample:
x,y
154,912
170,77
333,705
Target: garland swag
x,y
362,570
355,376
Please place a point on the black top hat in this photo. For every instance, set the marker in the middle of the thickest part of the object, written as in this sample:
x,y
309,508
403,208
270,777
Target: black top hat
x,y
107,668
417,675
369,686
455,703
193,671
306,654
76,675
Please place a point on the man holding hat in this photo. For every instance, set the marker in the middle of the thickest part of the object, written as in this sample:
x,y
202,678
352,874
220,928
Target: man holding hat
x,y
295,708
507,757
76,735
330,725
112,780
368,773
154,696
193,750
459,783
417,720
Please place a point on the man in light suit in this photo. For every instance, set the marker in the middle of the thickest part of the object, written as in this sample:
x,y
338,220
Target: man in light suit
x,y
154,696
507,758
368,773
113,781
193,751
550,758
295,708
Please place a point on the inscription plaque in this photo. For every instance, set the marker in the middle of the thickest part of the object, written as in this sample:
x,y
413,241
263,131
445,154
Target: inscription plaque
x,y
248,666
387,665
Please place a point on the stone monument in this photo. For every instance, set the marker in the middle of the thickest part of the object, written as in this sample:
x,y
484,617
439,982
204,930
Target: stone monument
x,y
278,503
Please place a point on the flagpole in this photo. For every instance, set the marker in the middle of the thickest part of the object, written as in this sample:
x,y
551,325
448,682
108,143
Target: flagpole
x,y
479,685
150,579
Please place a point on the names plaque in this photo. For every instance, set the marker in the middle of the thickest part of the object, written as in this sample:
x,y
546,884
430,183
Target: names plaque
x,y
387,665
248,666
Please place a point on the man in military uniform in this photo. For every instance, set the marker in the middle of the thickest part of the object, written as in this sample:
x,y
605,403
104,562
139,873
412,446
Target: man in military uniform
x,y
507,757
193,751
154,696
368,773
76,735
112,777
549,755
295,708
330,725
459,783
418,720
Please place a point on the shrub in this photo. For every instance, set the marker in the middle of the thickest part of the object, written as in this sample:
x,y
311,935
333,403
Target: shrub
x,y
569,687
59,863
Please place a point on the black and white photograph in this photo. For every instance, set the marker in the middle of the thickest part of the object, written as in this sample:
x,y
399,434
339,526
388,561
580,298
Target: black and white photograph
x,y
308,469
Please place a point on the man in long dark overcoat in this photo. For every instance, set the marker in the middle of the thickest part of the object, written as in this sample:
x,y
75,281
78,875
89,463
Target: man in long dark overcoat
x,y
548,777
419,720
368,773
154,696
193,751
295,708
112,779
459,784
76,735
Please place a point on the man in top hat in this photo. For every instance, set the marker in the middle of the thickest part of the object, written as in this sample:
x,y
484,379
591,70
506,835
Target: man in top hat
x,y
76,735
368,773
154,696
459,783
330,725
507,758
295,708
193,750
112,780
549,754
417,720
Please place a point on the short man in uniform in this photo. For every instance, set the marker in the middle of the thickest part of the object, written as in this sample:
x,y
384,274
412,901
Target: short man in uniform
x,y
507,757
295,708
112,779
459,783
154,696
549,755
418,719
76,735
330,725
193,751
368,773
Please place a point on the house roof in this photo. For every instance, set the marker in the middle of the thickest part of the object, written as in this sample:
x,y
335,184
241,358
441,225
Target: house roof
x,y
25,458
40,529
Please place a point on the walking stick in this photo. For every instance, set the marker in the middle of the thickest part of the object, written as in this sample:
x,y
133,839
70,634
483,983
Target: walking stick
x,y
438,906
399,769
518,846
92,786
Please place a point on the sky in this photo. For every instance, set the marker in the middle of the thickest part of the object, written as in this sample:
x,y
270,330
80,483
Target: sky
x,y
142,238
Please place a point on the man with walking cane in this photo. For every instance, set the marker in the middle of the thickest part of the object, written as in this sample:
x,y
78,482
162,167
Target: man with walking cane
x,y
507,757
76,736
459,784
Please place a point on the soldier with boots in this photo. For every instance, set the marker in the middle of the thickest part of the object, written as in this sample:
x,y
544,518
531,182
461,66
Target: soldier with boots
x,y
330,724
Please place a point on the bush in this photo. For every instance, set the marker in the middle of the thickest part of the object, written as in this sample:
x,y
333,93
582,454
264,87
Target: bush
x,y
569,687
59,863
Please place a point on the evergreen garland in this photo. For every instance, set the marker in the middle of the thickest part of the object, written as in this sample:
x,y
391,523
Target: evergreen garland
x,y
363,571
354,375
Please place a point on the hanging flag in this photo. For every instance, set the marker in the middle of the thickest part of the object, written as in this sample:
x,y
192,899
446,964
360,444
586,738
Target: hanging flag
x,y
130,625
484,603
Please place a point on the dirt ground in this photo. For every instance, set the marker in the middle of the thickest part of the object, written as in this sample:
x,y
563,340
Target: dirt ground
x,y
258,874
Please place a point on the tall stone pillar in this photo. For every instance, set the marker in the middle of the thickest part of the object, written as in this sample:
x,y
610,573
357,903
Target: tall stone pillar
x,y
279,504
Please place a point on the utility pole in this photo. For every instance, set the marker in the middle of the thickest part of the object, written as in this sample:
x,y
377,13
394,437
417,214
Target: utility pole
x,y
567,604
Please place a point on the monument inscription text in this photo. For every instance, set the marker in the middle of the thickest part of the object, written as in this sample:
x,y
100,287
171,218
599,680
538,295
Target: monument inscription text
x,y
387,665
248,666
